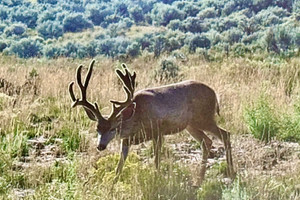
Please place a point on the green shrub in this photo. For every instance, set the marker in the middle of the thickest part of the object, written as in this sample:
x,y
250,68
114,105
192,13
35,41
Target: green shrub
x,y
25,15
236,191
167,71
140,180
71,138
211,190
261,120
163,14
75,23
26,48
50,29
14,144
198,41
136,13
290,126
15,29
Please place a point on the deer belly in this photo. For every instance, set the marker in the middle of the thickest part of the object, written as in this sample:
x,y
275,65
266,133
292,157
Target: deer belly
x,y
172,126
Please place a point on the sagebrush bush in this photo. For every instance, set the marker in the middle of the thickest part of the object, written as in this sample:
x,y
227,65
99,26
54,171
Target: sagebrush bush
x,y
26,48
167,71
76,23
50,29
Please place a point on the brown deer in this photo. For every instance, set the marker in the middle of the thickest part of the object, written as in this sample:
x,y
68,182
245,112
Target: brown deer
x,y
151,113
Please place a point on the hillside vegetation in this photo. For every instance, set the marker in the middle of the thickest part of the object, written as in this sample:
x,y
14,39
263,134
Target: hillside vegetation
x,y
247,51
42,27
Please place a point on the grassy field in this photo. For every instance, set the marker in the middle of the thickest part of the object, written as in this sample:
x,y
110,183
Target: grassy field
x,y
48,150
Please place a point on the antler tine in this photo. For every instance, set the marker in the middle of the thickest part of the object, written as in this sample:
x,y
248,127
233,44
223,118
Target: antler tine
x,y
128,81
91,110
89,74
71,91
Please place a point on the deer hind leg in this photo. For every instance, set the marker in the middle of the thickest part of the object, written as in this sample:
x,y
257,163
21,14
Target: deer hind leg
x,y
206,145
224,136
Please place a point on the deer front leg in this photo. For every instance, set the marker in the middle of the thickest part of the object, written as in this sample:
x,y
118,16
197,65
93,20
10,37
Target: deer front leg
x,y
157,144
124,153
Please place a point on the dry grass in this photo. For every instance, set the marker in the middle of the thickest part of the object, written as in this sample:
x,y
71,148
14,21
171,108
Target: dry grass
x,y
265,171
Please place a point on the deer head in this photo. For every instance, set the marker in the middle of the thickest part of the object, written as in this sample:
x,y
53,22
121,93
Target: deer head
x,y
107,125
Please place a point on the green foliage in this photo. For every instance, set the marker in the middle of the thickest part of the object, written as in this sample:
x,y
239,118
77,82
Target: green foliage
x,y
26,48
136,13
198,41
163,14
141,180
97,14
233,21
236,191
26,16
72,139
15,144
76,23
50,29
290,126
167,71
211,190
15,29
261,120
133,50
3,45
264,123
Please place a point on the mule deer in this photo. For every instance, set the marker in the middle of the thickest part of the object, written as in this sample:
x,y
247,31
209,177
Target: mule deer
x,y
151,113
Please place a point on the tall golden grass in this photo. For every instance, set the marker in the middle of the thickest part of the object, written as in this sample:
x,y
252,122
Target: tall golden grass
x,y
239,82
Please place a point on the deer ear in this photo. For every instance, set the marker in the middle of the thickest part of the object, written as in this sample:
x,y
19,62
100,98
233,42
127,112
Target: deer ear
x,y
128,112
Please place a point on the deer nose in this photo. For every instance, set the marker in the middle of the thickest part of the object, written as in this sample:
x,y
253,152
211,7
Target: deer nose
x,y
101,147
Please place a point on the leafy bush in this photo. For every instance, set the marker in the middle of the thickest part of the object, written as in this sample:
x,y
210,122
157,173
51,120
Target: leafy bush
x,y
141,180
52,51
229,22
207,13
26,48
50,29
195,25
136,13
290,126
233,35
74,50
163,14
47,15
133,50
75,23
3,12
15,29
3,45
26,16
261,120
271,41
167,71
98,14
121,9
198,41
112,47
47,1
